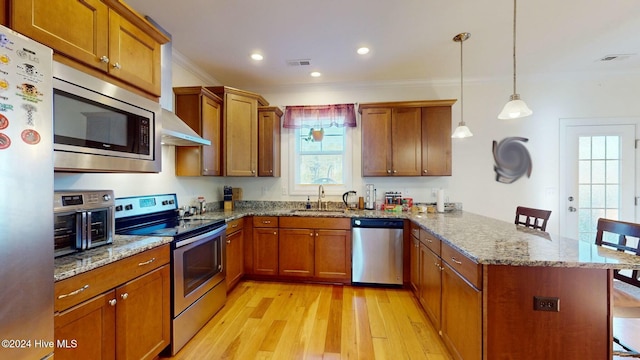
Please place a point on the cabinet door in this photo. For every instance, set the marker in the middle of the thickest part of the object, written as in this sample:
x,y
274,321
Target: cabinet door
x,y
87,330
461,316
211,130
436,141
265,251
414,273
77,29
332,256
134,55
269,144
142,315
376,145
296,252
406,142
241,135
431,284
235,258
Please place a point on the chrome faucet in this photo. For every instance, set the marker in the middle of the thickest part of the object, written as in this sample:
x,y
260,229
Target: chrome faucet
x,y
320,196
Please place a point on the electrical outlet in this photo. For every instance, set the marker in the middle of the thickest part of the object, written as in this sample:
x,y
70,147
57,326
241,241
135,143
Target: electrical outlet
x,y
542,303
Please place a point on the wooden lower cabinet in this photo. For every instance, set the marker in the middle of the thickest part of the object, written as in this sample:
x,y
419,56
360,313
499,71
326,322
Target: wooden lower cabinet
x,y
235,253
430,288
117,311
265,251
461,322
142,321
87,331
333,255
296,254
414,271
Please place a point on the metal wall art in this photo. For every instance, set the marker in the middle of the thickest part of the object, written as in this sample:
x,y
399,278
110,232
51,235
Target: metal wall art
x,y
512,159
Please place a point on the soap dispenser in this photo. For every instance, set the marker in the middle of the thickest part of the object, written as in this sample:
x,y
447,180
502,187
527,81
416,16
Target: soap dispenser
x,y
308,203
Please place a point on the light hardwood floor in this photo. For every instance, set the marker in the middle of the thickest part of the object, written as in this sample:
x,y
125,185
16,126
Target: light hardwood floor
x,y
267,320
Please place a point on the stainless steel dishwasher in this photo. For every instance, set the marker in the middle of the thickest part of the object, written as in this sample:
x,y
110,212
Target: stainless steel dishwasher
x,y
377,251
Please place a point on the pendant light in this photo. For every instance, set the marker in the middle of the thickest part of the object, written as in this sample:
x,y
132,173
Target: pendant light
x,y
515,108
462,131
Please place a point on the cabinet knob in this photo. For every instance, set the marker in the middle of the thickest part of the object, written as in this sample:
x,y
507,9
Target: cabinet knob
x,y
395,171
104,59
228,241
270,171
275,233
424,171
112,302
117,66
316,234
253,171
388,171
124,296
310,234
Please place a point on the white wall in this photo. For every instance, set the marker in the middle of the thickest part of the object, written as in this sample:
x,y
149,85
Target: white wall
x,y
473,181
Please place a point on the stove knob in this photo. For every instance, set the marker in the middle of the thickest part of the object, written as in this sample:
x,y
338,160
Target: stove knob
x,y
106,197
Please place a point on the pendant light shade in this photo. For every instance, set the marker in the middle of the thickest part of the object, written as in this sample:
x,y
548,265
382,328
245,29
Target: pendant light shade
x,y
515,108
462,131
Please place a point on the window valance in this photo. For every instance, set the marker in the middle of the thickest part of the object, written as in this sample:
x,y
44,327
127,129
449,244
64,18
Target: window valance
x,y
319,116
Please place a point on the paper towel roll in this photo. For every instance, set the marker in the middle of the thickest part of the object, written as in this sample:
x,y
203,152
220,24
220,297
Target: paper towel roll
x,y
440,201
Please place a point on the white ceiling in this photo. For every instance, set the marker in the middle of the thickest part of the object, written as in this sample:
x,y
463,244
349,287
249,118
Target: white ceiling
x,y
410,40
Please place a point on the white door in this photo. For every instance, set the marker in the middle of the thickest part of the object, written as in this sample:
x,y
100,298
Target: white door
x,y
597,174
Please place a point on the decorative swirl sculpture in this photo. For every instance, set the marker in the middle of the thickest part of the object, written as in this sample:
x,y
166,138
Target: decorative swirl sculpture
x,y
512,159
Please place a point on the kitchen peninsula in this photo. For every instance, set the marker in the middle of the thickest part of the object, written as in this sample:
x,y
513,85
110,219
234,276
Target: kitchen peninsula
x,y
491,271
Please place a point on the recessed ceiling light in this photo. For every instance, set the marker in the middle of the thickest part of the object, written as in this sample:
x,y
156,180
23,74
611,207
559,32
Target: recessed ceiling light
x,y
316,74
257,57
363,50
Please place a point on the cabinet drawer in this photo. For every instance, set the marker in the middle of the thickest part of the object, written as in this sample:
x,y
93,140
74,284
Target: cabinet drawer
x,y
235,225
466,267
415,230
432,242
74,290
265,221
301,222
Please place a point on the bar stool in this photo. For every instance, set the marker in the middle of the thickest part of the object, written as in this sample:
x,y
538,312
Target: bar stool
x,y
533,218
626,284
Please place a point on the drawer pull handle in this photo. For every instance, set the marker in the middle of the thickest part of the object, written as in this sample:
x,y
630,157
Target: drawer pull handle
x,y
456,261
74,292
234,225
266,221
112,302
147,262
124,296
429,241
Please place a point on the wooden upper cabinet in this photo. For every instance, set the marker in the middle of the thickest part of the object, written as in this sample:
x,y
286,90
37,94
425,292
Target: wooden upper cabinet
x,y
269,141
406,142
3,12
95,36
376,135
83,36
201,110
436,141
240,129
409,138
134,55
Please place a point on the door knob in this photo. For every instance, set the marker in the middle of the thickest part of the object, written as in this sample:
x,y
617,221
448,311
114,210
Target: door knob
x,y
572,209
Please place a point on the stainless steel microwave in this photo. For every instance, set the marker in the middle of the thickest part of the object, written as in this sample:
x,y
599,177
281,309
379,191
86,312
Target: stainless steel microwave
x,y
100,127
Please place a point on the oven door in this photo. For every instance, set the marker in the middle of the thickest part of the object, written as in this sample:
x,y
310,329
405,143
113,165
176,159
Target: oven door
x,y
198,266
67,232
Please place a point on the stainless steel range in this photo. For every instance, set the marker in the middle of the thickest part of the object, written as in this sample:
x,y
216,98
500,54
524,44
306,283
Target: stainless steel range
x,y
197,258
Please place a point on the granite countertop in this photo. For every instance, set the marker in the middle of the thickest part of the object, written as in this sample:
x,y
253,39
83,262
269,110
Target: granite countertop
x,y
122,247
483,239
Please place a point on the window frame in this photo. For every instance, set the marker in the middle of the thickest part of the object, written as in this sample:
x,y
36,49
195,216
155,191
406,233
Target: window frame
x,y
312,189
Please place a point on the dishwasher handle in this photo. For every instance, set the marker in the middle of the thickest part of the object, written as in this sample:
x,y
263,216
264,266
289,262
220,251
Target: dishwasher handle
x,y
377,223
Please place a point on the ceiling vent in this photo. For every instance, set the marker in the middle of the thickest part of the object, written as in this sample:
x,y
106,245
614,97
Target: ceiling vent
x,y
616,57
299,62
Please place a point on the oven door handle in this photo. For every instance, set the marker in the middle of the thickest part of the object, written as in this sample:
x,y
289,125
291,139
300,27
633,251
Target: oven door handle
x,y
212,233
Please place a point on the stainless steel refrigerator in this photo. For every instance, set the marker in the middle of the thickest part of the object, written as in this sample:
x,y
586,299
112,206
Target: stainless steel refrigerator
x,y
26,198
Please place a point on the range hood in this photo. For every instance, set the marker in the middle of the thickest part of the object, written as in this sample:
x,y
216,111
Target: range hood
x,y
176,132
